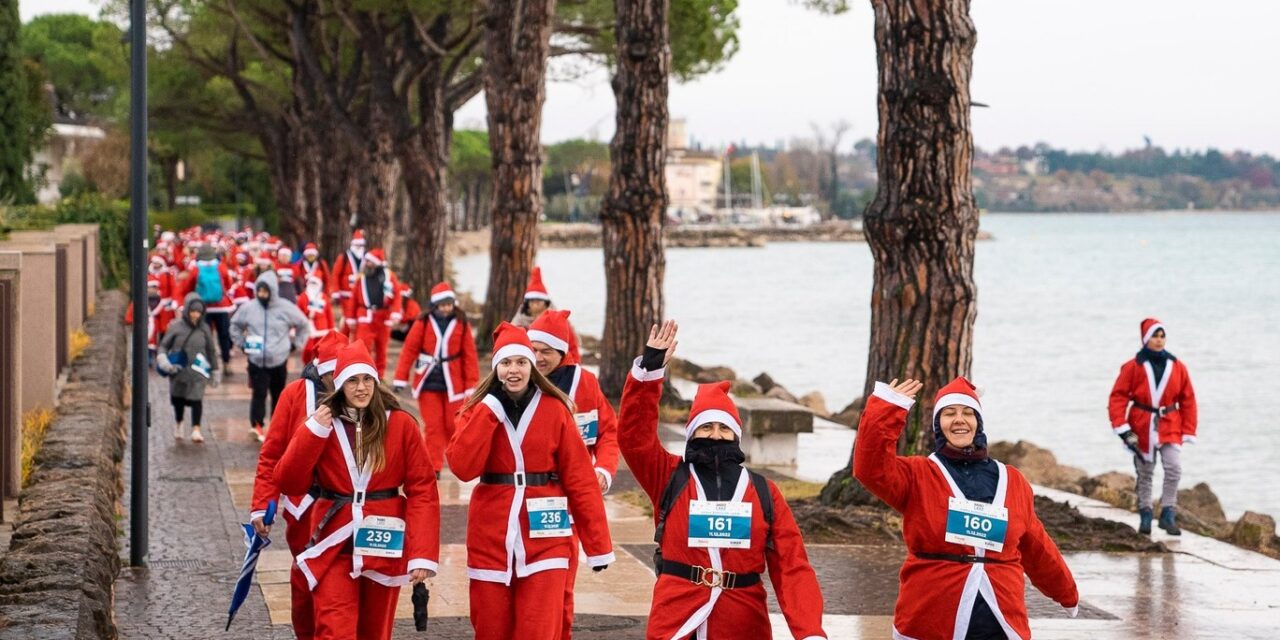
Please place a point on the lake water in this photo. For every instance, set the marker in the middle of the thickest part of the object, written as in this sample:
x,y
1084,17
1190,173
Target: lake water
x,y
1059,301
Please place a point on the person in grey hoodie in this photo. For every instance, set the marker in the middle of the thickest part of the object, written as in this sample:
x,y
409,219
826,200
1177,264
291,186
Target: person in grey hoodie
x,y
194,364
263,331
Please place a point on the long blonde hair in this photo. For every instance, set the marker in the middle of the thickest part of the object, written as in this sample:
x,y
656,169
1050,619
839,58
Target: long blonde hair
x,y
370,445
535,378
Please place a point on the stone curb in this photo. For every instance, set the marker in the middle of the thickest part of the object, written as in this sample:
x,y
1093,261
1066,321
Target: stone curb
x,y
56,580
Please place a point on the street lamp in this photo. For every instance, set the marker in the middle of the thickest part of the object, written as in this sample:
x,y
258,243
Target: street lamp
x,y
140,407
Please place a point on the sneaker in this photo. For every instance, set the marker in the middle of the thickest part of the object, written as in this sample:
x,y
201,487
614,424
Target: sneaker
x,y
195,435
177,431
258,433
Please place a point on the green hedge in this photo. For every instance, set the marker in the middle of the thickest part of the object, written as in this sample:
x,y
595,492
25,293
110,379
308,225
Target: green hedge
x,y
112,218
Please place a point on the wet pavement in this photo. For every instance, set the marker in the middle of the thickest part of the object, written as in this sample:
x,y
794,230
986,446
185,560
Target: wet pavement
x,y
200,493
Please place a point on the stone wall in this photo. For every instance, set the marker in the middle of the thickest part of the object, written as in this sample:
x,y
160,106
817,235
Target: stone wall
x,y
56,579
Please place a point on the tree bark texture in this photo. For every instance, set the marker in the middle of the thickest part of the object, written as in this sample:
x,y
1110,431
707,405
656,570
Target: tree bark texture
x,y
633,212
923,222
516,43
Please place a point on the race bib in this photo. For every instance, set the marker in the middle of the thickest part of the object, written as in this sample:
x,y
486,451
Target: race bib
x,y
548,517
201,365
253,345
976,524
423,363
381,536
719,524
588,425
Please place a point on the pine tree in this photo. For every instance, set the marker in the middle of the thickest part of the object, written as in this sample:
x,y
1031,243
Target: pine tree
x,y
15,148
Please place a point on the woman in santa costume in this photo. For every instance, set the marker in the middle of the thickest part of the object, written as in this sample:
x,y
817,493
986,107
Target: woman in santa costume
x,y
517,435
299,399
355,456
1153,409
441,353
969,521
373,307
315,306
722,525
549,336
312,264
347,267
285,274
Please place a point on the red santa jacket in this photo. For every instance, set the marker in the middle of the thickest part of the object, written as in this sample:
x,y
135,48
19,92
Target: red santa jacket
x,y
319,312
935,596
680,607
546,440
323,454
587,397
297,402
426,347
356,309
1137,385
320,269
242,290
343,277
188,284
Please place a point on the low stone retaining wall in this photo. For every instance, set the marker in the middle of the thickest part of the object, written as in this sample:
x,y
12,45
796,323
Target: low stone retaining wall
x,y
56,579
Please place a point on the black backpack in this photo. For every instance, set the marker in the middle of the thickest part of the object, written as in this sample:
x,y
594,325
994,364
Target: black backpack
x,y
675,486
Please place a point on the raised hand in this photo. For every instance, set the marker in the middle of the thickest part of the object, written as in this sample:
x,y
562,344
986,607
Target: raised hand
x,y
664,337
908,387
323,415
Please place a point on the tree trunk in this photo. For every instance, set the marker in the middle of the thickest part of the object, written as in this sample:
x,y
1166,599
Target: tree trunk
x,y
425,157
633,212
516,42
923,222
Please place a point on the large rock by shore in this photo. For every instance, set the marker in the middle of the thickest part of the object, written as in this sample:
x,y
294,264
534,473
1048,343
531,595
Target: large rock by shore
x,y
1039,465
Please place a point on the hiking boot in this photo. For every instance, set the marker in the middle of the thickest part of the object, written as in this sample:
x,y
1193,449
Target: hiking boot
x,y
258,433
177,431
195,435
1169,521
1144,522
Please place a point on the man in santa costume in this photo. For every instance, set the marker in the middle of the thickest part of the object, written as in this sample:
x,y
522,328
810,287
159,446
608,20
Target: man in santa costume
x,y
517,435
347,267
312,264
297,402
441,353
1153,410
375,522
718,525
159,311
550,336
373,306
969,521
536,301
285,274
316,307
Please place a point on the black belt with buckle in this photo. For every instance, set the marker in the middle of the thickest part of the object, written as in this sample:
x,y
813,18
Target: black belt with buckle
x,y
956,557
707,576
1159,411
341,499
536,479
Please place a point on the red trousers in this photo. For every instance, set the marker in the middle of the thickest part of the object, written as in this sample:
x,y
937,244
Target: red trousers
x,y
531,608
438,423
349,608
376,336
566,632
304,623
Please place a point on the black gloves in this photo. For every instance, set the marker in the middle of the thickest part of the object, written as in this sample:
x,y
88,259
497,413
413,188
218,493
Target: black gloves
x,y
652,358
600,568
1130,440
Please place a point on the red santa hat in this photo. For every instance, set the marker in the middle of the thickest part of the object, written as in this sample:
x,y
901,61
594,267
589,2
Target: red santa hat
x,y
264,257
353,360
1149,328
552,328
376,257
153,283
959,391
310,250
713,404
442,292
317,280
510,341
326,351
537,290
284,254
357,238
157,259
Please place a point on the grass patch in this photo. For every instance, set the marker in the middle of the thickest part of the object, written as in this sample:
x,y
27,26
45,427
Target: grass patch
x,y
79,342
798,489
635,498
34,425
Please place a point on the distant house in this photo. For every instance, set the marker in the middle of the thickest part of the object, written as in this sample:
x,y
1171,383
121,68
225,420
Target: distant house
x,y
693,176
69,139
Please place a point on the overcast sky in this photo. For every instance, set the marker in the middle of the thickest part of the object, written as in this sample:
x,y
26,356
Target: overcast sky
x,y
1081,74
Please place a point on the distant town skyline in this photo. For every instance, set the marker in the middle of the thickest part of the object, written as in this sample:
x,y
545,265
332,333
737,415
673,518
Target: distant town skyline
x,y
1080,75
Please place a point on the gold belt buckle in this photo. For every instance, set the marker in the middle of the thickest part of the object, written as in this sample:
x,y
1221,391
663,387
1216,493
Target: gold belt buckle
x,y
711,577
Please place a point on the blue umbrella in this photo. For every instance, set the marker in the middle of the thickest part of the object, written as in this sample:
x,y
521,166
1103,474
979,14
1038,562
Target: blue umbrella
x,y
255,544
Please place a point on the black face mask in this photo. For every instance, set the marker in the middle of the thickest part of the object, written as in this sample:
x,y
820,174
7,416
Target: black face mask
x,y
266,302
714,452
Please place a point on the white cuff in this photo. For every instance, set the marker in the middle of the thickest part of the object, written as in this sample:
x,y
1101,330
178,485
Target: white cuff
x,y
431,566
1121,430
608,479
253,515
399,383
814,638
641,375
1073,611
886,393
1188,439
320,430
601,561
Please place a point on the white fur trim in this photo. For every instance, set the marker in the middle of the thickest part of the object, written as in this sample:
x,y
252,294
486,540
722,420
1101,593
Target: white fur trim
x,y
600,561
384,579
443,295
886,393
511,351
1121,430
423,563
327,366
320,430
1188,439
1073,611
488,575
641,375
254,515
961,399
712,415
1151,331
537,295
536,335
608,479
353,371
